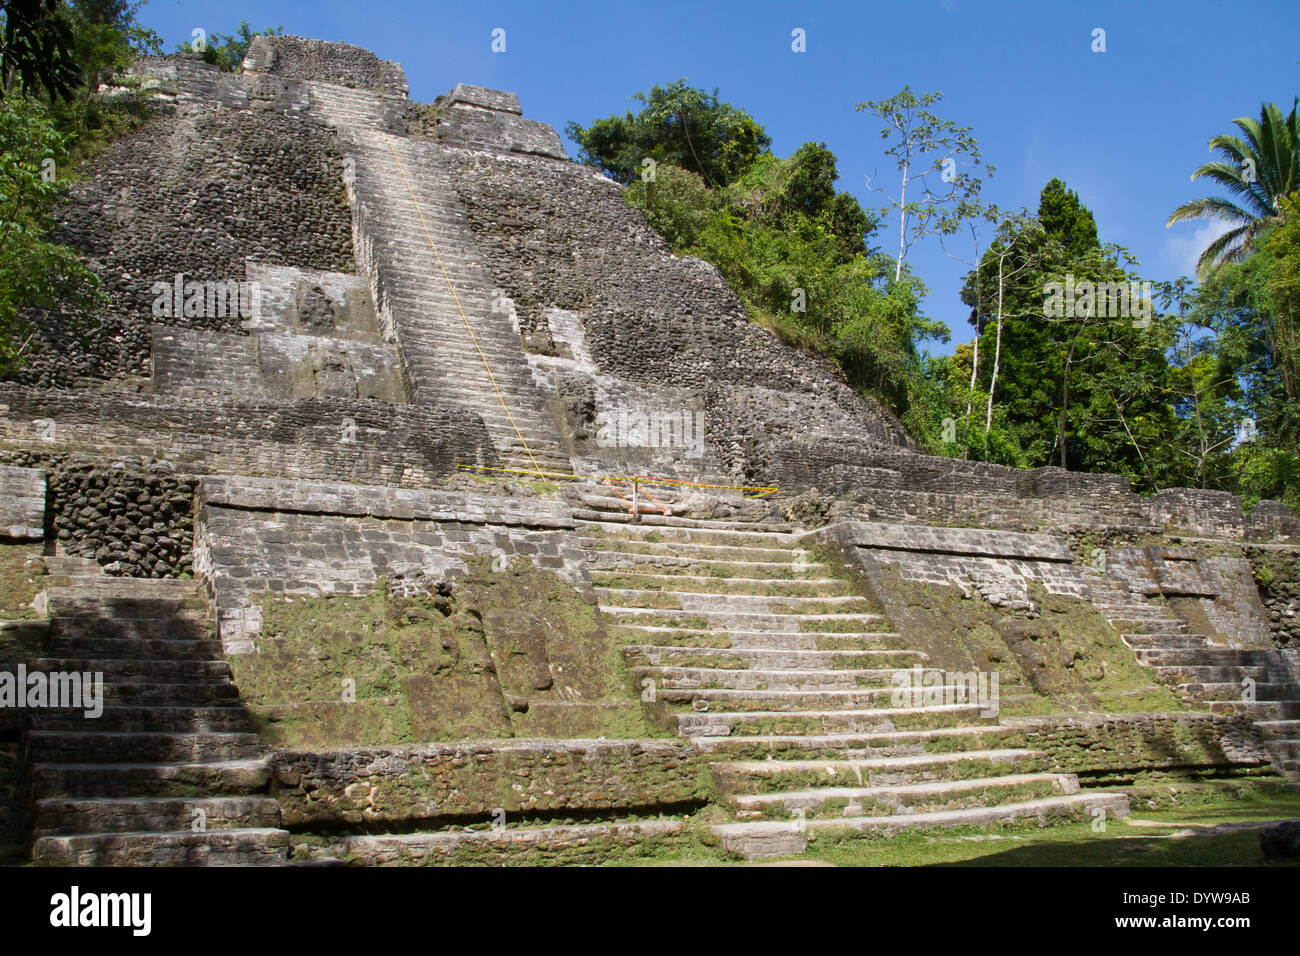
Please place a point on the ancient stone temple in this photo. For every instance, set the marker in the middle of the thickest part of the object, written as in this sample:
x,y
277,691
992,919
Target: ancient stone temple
x,y
339,497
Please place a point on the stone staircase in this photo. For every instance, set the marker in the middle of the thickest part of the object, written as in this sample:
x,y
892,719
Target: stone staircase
x,y
170,773
440,354
784,678
1228,680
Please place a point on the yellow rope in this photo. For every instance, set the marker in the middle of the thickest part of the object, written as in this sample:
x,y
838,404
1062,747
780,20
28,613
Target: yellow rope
x,y
472,337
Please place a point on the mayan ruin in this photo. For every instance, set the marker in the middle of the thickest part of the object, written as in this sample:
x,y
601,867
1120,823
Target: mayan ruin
x,y
414,499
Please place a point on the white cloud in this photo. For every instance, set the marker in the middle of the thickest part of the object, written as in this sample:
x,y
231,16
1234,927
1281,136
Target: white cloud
x,y
1183,248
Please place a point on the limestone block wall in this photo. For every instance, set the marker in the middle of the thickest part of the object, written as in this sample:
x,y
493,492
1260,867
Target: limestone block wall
x,y
996,565
313,303
268,365
339,63
469,782
22,503
1101,747
257,535
1275,571
475,126
1211,587
195,192
135,517
324,439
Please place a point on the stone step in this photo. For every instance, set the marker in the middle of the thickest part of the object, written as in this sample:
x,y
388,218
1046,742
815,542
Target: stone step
x,y
843,746
1165,641
151,628
1233,690
775,776
189,694
1153,628
263,846
1133,611
1210,673
1279,729
107,596
659,533
707,602
684,500
111,747
72,583
687,549
803,679
763,839
802,700
558,844
854,801
144,719
720,723
134,669
651,519
706,584
665,565
637,655
1219,657
848,622
220,778
62,816
738,639
1257,709
135,649
1283,750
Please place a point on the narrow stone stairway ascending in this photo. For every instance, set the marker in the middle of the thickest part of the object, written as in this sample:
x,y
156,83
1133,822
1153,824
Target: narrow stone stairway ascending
x,y
170,773
457,344
784,678
1250,682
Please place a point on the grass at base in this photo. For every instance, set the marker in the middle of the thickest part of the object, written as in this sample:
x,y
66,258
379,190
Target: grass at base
x,y
1073,844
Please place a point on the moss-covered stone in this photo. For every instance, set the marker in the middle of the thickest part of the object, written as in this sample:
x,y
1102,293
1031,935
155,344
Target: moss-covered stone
x,y
505,653
22,575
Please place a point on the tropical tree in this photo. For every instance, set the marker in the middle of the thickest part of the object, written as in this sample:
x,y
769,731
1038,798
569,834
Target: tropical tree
x,y
36,48
1259,168
34,272
925,147
677,125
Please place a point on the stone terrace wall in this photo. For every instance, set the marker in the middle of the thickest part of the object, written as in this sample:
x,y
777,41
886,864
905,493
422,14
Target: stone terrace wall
x,y
323,439
340,63
194,192
258,535
1101,746
133,516
997,565
490,119
22,504
468,782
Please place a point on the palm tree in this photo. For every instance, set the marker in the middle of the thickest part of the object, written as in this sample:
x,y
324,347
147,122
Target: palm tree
x,y
1260,169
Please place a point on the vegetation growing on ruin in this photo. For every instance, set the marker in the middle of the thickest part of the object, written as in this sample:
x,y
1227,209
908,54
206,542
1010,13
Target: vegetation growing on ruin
x,y
505,653
1187,385
54,56
22,575
1063,657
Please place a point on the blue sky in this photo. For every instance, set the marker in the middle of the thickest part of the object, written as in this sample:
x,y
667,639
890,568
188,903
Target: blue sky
x,y
1124,128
